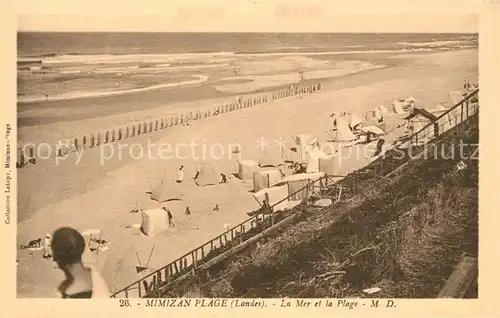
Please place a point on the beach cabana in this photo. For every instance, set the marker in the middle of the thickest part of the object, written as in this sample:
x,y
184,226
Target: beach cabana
x,y
166,191
271,157
246,168
265,179
343,133
399,106
354,121
273,195
154,221
207,175
313,162
418,119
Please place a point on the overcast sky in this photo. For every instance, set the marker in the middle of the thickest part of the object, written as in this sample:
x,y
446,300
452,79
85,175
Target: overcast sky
x,y
249,16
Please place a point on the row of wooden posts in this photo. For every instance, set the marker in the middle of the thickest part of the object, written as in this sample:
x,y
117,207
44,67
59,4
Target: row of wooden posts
x,y
66,147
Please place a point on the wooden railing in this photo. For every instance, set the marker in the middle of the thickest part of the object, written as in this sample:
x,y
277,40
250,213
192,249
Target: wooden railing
x,y
461,280
189,262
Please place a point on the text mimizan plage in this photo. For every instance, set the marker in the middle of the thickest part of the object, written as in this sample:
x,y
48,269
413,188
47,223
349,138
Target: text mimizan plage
x,y
8,173
260,303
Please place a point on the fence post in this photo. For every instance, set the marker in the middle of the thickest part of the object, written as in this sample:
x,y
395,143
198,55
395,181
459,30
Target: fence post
x,y
194,256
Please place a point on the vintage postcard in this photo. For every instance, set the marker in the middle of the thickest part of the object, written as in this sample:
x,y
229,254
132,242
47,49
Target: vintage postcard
x,y
274,156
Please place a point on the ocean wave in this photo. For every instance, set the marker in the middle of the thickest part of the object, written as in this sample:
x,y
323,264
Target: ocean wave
x,y
199,79
121,58
434,43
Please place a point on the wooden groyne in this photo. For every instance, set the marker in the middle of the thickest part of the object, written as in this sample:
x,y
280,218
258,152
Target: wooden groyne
x,y
30,152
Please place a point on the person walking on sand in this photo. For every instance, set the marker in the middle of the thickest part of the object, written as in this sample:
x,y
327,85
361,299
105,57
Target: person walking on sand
x,y
170,217
180,174
188,211
223,178
47,249
81,282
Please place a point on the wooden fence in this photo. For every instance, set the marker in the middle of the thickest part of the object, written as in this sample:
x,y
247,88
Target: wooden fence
x,y
324,187
461,280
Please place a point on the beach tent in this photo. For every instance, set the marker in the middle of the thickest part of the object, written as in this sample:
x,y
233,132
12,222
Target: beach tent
x,y
304,143
298,181
246,168
304,140
166,191
313,161
274,195
330,166
343,133
374,130
329,148
265,179
438,110
271,157
207,175
354,120
373,114
154,221
121,269
384,111
399,106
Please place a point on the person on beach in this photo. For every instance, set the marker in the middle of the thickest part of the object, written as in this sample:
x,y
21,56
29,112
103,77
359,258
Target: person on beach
x,y
170,217
180,174
81,282
47,249
467,86
266,208
46,97
188,211
223,178
380,143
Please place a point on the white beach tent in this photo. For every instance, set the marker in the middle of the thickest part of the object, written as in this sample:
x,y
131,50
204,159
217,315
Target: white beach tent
x,y
166,191
154,221
343,133
373,114
384,111
246,168
274,195
374,130
399,107
271,157
207,175
265,179
354,120
313,162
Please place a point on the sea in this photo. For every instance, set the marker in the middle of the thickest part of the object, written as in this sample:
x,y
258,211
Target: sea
x,y
57,44
69,76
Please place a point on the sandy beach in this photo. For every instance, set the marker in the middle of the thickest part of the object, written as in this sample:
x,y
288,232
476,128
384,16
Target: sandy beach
x,y
91,195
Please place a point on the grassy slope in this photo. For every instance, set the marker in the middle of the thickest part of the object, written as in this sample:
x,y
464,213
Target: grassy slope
x,y
404,236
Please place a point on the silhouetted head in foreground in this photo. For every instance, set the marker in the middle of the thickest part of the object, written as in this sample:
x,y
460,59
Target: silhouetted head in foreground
x,y
67,247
